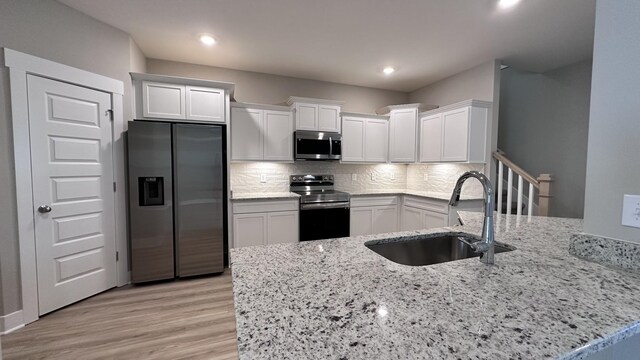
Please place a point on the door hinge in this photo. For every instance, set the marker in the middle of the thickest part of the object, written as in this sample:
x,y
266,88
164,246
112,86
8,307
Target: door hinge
x,y
117,256
114,186
110,113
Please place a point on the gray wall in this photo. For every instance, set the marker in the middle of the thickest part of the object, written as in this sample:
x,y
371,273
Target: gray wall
x,y
274,89
53,31
544,121
614,125
480,83
476,83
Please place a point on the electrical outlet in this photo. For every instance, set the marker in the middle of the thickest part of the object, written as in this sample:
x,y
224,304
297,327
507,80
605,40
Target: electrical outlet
x,y
426,177
631,211
354,177
373,176
392,175
263,178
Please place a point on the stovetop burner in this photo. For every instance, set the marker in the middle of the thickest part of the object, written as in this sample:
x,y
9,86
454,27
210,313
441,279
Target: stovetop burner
x,y
316,189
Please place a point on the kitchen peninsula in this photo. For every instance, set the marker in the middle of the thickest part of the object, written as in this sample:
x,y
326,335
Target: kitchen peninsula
x,y
338,299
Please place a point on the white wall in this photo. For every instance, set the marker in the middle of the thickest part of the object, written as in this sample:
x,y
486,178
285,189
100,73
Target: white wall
x,y
262,88
613,168
55,32
544,121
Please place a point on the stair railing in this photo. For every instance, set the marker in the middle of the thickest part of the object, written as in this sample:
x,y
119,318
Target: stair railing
x,y
541,184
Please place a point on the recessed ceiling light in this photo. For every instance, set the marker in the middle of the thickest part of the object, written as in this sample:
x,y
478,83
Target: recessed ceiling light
x,y
388,70
207,39
507,3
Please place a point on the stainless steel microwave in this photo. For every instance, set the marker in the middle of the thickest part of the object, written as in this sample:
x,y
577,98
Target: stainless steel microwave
x,y
317,145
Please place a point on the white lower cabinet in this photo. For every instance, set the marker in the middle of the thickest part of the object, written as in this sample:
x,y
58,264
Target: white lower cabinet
x,y
421,213
265,222
374,215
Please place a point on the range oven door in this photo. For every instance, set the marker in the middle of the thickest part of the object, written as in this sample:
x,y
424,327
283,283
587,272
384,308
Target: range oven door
x,y
324,221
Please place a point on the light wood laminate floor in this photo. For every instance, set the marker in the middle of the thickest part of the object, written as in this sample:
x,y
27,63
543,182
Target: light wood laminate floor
x,y
186,319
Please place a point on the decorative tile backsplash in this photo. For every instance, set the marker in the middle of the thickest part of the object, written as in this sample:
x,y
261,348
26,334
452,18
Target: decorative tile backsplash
x,y
442,178
245,177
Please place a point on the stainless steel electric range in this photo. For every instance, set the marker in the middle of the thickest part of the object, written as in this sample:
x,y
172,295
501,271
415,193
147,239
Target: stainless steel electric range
x,y
324,212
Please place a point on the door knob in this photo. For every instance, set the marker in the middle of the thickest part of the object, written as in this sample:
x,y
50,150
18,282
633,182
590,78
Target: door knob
x,y
44,209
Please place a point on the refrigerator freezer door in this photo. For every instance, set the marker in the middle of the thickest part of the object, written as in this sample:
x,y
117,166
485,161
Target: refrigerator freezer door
x,y
199,199
150,205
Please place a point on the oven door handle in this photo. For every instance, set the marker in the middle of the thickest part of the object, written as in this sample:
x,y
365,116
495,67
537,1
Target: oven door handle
x,y
335,205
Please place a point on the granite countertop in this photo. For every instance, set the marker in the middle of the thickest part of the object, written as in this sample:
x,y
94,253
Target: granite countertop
x,y
427,194
337,299
264,196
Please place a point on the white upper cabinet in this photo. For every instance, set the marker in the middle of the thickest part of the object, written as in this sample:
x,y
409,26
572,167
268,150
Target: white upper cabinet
x,y
353,142
306,116
329,118
365,138
455,133
316,114
168,98
376,136
403,130
431,138
165,101
278,135
261,134
246,134
205,104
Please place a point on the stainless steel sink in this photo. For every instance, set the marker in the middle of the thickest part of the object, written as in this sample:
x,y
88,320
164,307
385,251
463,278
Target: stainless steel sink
x,y
431,248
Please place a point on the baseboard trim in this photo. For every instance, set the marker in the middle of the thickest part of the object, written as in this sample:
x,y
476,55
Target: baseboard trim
x,y
11,322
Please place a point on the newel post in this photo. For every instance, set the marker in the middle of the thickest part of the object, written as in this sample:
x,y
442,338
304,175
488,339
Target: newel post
x,y
544,194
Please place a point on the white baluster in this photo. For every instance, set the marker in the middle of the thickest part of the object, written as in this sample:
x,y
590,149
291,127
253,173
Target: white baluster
x,y
530,204
500,181
519,210
509,190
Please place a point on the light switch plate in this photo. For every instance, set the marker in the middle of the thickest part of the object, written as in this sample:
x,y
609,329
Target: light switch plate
x,y
631,211
263,178
354,177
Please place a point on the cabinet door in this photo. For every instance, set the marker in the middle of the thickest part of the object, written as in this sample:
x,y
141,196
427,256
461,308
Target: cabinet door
x,y
402,136
353,139
205,104
282,227
361,221
376,141
164,101
246,134
435,220
455,135
306,116
278,135
412,219
329,118
385,219
249,229
431,138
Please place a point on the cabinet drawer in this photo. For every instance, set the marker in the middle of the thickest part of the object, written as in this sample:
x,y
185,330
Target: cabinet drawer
x,y
441,206
374,201
246,207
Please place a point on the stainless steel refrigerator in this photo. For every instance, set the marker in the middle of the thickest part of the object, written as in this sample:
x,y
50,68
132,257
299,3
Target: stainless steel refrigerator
x,y
177,199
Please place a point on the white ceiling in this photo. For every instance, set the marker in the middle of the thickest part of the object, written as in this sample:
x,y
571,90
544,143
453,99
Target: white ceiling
x,y
350,41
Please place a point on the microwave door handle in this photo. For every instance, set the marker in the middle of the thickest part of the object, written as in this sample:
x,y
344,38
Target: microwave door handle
x,y
330,147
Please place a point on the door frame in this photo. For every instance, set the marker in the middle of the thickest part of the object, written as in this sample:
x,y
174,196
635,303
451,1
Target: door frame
x,y
20,65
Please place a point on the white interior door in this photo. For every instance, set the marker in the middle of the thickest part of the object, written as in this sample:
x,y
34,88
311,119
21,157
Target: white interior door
x,y
71,149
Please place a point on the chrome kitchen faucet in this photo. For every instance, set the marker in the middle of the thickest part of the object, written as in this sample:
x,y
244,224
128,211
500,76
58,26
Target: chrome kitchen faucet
x,y
486,247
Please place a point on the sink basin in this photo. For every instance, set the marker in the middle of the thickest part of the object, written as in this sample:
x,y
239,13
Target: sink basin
x,y
431,248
